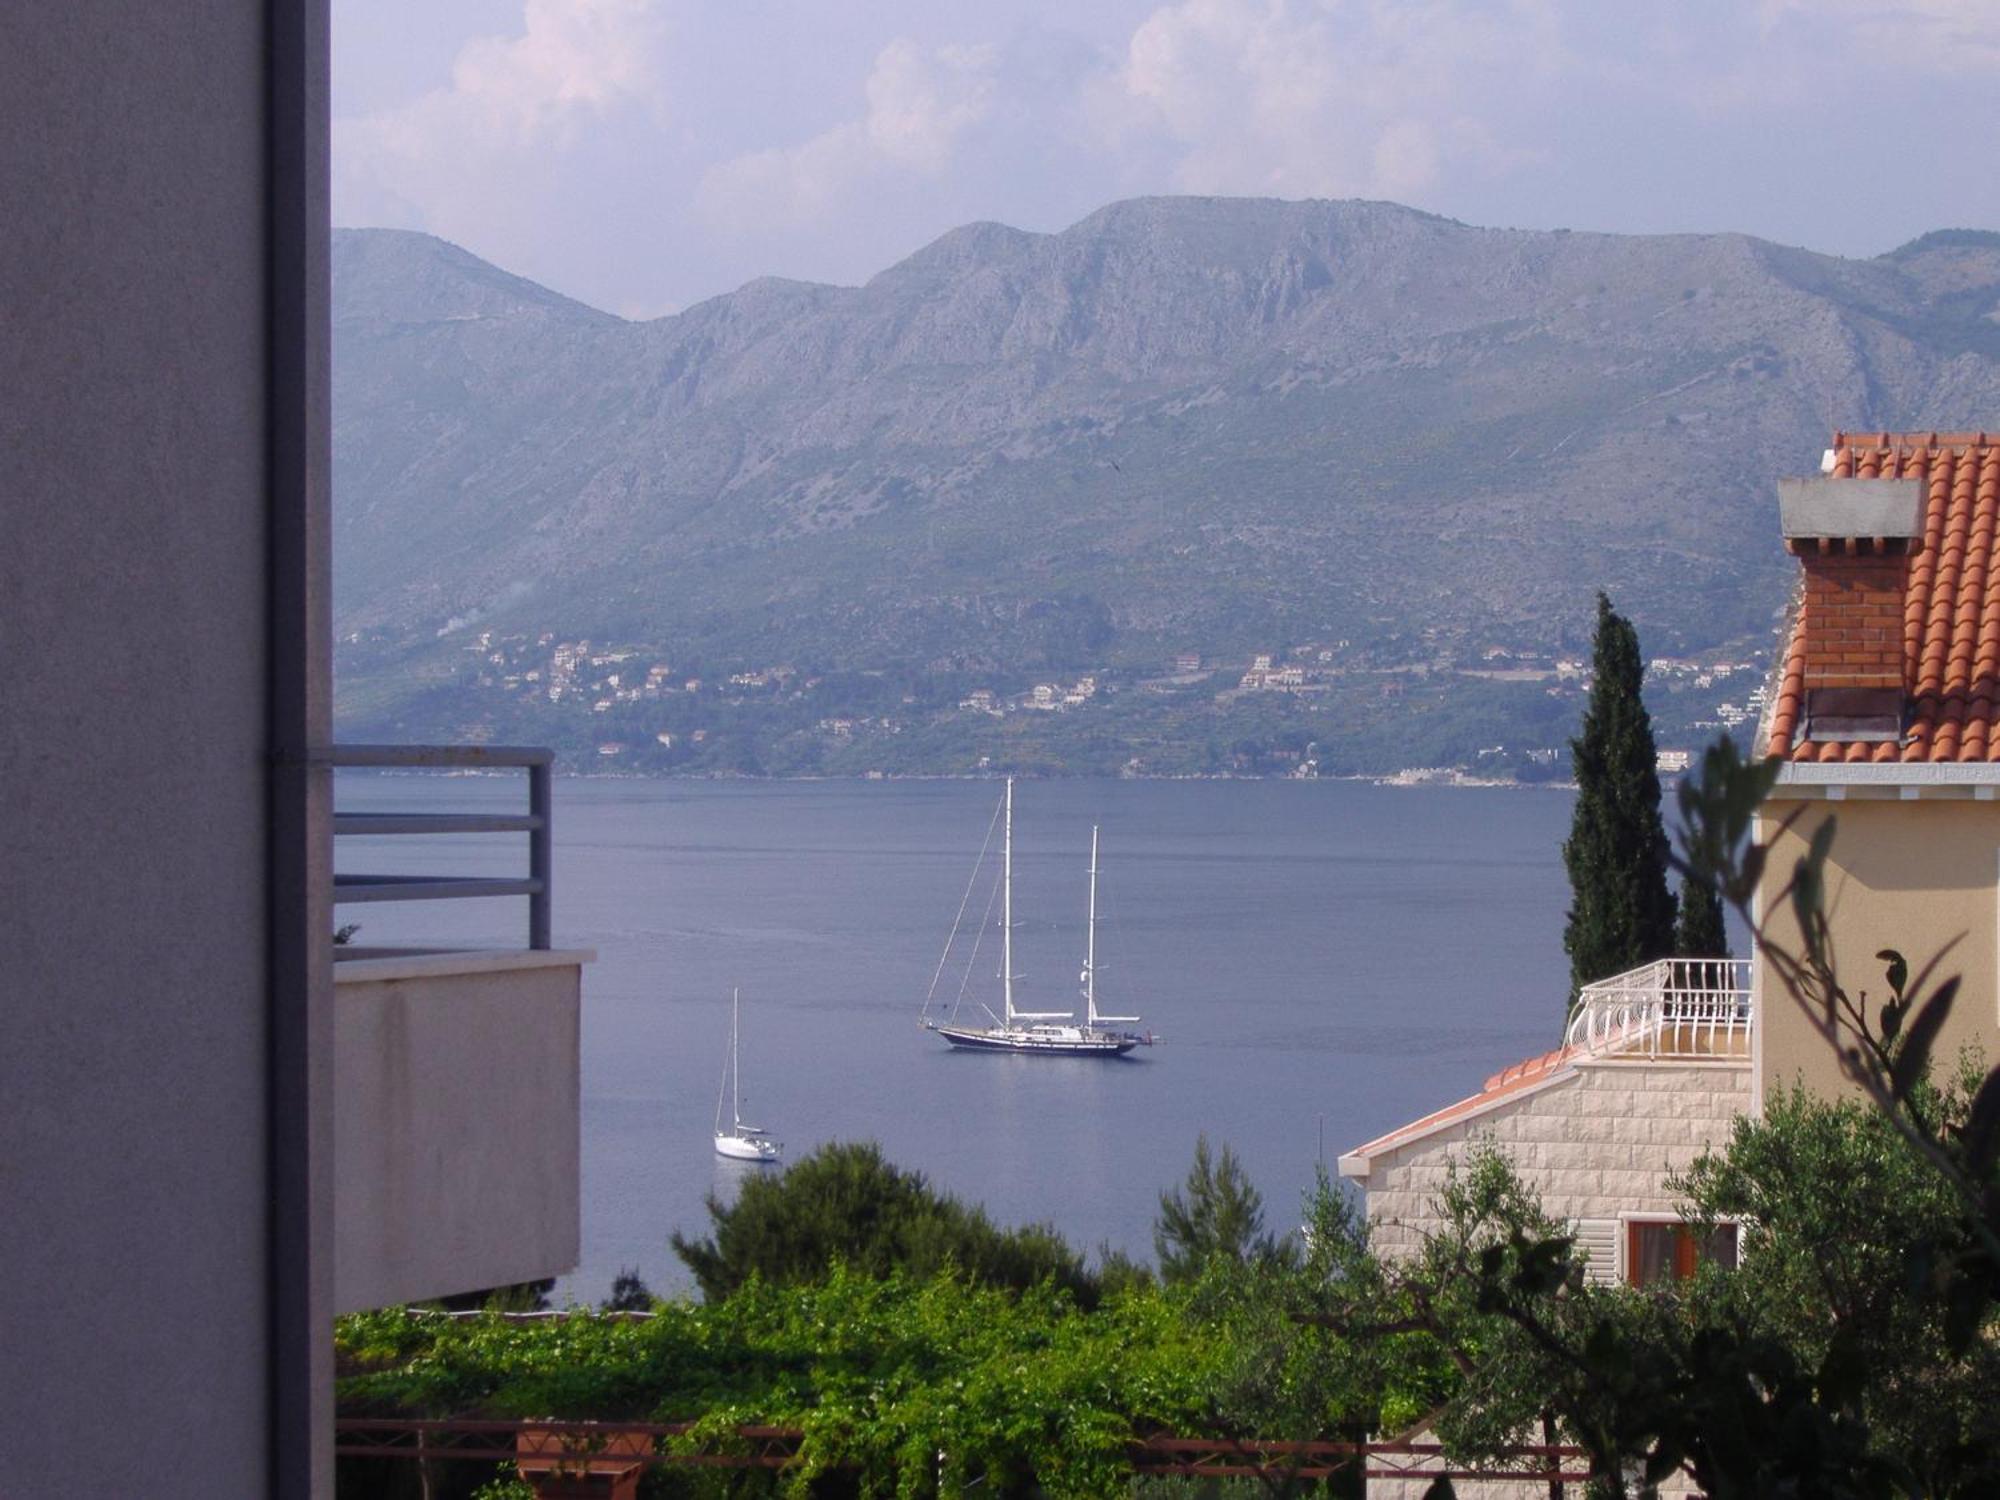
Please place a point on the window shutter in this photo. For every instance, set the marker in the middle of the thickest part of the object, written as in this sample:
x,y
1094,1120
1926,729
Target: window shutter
x,y
1598,1238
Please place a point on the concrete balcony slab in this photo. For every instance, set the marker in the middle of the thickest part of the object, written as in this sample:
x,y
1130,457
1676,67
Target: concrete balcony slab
x,y
456,1126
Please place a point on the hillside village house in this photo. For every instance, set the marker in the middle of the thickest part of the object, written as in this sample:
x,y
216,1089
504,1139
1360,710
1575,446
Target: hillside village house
x,y
1884,714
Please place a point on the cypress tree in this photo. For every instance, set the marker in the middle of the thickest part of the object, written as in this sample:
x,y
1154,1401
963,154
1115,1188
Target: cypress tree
x,y
1621,912
1699,933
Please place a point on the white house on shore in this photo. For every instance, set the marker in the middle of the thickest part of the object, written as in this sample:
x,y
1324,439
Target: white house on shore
x,y
1653,1069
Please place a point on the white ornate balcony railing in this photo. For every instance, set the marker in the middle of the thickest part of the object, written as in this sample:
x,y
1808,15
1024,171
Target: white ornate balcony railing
x,y
1676,1007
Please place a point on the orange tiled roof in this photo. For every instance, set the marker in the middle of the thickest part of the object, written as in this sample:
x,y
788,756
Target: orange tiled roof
x,y
1519,1078
1951,604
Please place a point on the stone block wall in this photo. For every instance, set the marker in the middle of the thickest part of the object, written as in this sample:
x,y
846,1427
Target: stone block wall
x,y
1597,1141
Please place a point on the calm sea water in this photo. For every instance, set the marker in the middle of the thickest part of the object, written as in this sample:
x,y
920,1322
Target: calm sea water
x,y
1315,955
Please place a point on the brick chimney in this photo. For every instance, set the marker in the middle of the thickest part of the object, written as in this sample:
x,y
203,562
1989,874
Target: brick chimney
x,y
1854,539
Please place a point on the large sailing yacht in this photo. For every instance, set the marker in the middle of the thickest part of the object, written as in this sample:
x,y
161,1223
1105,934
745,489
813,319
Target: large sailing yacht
x,y
1041,1033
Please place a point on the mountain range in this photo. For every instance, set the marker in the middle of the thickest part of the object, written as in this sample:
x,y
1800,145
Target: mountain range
x,y
1181,425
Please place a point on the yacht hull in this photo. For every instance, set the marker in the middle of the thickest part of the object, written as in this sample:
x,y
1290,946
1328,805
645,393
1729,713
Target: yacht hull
x,y
1055,1042
746,1148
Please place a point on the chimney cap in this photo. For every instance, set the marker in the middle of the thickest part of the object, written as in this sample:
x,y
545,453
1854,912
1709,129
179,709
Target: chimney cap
x,y
1850,509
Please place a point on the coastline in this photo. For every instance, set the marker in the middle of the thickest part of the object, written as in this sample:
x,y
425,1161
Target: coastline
x,y
1411,777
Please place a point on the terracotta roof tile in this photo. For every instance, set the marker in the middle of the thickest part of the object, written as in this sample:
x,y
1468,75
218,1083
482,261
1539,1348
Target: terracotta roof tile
x,y
1521,1077
1978,717
1791,692
1951,604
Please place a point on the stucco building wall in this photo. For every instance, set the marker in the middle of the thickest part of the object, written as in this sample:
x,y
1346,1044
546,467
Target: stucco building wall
x,y
142,1347
1913,875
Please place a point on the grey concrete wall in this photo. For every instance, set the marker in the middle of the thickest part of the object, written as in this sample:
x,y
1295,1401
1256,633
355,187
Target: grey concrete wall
x,y
456,1150
135,1285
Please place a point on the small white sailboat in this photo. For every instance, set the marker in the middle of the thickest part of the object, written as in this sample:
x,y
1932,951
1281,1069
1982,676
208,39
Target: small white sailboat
x,y
1038,1033
740,1142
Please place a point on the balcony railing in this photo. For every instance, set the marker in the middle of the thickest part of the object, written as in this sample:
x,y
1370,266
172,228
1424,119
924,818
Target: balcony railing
x,y
535,823
559,1454
1676,1007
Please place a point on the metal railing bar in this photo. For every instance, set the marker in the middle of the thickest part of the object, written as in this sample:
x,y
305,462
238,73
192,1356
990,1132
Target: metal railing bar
x,y
414,1438
606,1427
368,824
355,888
1671,1007
541,850
582,1461
577,1460
537,823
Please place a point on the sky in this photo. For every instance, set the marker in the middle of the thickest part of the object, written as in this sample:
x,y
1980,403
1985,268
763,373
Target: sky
x,y
642,155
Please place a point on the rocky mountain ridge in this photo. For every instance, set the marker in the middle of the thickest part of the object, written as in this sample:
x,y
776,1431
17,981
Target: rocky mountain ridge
x,y
1181,424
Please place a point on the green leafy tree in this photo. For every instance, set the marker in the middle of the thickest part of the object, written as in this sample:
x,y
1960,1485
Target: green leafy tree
x,y
1216,1214
629,1293
1646,1381
1116,1273
507,1484
846,1205
1838,1216
1621,912
1287,1368
916,1388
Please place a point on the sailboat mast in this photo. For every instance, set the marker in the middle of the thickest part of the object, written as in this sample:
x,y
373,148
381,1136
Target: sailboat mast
x,y
735,1074
1090,947
722,1083
1007,909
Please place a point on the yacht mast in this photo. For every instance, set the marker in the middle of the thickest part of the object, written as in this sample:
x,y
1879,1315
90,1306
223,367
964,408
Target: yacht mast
x,y
1090,949
735,1075
1007,909
722,1083
1090,953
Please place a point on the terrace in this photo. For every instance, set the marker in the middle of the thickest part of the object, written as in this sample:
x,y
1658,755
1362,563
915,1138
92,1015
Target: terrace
x,y
456,1140
1676,1008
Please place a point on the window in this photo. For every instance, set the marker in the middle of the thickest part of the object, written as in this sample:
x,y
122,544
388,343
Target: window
x,y
1668,1250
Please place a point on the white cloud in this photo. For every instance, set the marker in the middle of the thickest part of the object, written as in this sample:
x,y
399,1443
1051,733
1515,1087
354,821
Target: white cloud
x,y
552,149
1305,98
1944,36
572,57
920,102
512,102
1296,98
